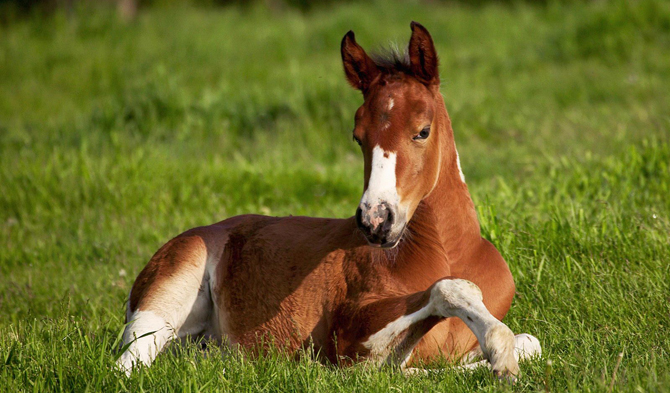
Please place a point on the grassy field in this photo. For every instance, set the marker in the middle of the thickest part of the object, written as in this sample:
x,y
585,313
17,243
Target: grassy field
x,y
115,137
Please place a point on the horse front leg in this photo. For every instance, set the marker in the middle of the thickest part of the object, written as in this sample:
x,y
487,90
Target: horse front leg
x,y
463,299
387,330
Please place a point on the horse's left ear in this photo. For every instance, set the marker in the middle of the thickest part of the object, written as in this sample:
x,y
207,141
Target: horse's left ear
x,y
422,55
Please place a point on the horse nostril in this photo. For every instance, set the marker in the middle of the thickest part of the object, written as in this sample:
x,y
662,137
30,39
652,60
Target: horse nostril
x,y
388,223
376,222
359,218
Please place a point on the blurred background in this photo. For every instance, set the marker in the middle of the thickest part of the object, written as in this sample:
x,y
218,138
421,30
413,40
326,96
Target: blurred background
x,y
124,123
211,76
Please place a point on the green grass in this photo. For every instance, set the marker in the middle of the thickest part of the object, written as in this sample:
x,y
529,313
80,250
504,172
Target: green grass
x,y
115,137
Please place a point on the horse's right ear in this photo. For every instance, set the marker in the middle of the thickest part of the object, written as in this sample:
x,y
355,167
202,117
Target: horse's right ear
x,y
358,66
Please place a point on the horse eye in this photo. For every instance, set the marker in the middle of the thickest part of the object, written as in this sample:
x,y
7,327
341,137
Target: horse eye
x,y
423,134
358,141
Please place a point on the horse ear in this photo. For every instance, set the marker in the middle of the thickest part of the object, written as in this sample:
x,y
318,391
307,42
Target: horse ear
x,y
358,66
422,55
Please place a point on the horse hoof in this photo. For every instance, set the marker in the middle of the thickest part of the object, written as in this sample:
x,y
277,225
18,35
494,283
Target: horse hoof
x,y
500,353
507,376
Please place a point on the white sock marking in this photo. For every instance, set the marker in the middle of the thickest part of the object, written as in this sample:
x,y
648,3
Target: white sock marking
x,y
380,343
148,333
448,298
526,346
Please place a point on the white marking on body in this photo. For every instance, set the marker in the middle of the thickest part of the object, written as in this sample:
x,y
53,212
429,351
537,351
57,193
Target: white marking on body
x,y
147,334
380,343
463,299
390,105
180,307
526,347
460,171
452,298
190,314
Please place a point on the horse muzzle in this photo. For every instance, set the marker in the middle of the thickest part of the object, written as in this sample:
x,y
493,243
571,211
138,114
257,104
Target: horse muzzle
x,y
380,224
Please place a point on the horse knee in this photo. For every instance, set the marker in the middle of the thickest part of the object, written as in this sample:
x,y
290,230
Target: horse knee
x,y
451,295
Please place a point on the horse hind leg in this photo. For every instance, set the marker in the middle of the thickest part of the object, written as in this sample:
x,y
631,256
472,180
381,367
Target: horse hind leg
x,y
170,299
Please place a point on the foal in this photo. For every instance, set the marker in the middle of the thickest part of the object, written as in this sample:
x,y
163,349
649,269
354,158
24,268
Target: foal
x,y
383,286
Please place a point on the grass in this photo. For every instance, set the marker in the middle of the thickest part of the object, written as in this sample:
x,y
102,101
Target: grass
x,y
115,137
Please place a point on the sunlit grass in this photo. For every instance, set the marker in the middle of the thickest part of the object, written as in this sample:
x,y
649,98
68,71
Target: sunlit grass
x,y
115,137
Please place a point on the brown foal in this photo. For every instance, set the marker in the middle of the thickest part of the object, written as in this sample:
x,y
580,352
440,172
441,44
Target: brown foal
x,y
407,279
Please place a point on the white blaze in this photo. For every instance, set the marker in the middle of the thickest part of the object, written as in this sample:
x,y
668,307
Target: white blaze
x,y
382,184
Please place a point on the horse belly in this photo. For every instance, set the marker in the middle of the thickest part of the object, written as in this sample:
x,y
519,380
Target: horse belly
x,y
259,301
258,318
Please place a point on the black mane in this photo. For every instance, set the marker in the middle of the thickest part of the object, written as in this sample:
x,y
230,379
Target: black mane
x,y
391,60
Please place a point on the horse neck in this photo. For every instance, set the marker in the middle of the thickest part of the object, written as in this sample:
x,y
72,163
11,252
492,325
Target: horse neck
x,y
448,209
